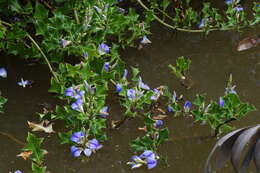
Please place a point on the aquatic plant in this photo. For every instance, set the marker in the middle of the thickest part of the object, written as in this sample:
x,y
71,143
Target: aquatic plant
x,y
181,67
218,115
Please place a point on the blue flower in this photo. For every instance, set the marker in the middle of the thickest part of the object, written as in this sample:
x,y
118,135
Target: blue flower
x,y
228,2
103,49
142,85
187,106
104,112
136,162
174,97
76,151
121,10
231,90
85,55
145,40
170,108
18,171
94,145
64,43
221,102
238,9
79,94
3,72
77,137
69,92
118,88
78,105
201,24
125,73
131,94
106,66
156,94
24,83
158,123
98,9
151,163
147,154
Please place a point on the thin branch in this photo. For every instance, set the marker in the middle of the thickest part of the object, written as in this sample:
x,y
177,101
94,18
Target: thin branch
x,y
13,138
44,56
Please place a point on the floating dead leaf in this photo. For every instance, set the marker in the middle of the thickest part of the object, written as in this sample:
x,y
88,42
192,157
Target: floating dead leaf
x,y
161,110
248,43
41,127
114,123
159,117
25,155
142,129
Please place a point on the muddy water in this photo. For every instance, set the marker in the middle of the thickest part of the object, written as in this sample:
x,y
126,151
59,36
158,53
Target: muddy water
x,y
213,58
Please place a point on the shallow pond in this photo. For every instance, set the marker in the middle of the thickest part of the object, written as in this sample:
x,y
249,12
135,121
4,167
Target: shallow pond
x,y
213,58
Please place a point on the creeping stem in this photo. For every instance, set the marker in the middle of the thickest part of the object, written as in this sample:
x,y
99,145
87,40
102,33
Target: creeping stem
x,y
44,56
40,50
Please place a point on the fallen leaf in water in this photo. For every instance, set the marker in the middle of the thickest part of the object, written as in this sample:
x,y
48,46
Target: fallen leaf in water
x,y
160,110
247,43
114,123
41,127
142,129
25,155
159,117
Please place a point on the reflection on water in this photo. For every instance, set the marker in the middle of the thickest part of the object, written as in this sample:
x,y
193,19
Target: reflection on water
x,y
213,58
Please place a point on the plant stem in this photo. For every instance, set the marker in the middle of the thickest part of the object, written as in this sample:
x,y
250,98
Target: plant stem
x,y
218,127
44,56
13,138
76,16
182,29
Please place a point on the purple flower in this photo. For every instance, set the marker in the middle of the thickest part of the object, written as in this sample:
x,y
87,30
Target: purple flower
x,y
18,171
64,43
85,55
238,9
24,83
77,105
142,85
106,66
97,9
131,94
170,108
94,145
103,49
174,97
221,102
145,40
79,95
201,24
125,73
147,154
158,123
136,162
3,72
151,163
187,106
69,92
77,137
104,112
228,2
231,90
118,88
16,19
121,10
156,94
75,151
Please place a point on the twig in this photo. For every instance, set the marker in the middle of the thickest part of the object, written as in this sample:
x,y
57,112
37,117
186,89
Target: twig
x,y
44,56
218,127
13,138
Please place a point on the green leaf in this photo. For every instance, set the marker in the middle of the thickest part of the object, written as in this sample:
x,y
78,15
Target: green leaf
x,y
38,169
163,135
40,11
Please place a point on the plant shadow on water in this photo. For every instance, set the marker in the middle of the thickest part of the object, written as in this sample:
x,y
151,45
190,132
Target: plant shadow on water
x,y
213,58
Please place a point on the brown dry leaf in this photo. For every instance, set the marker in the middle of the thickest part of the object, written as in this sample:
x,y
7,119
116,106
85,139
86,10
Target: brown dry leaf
x,y
161,110
25,155
142,129
41,127
45,111
159,117
114,123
